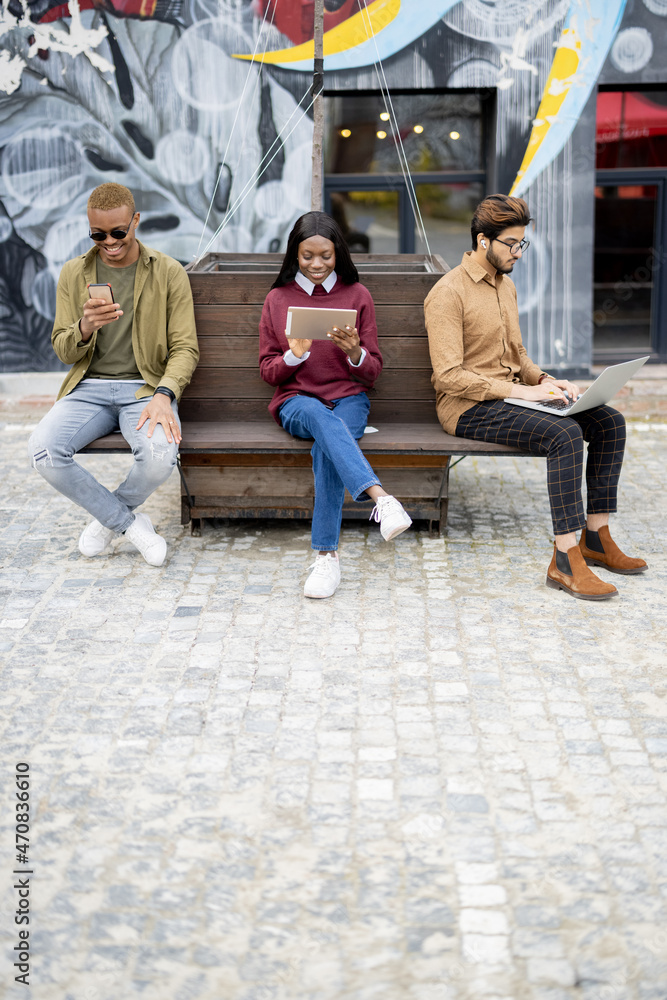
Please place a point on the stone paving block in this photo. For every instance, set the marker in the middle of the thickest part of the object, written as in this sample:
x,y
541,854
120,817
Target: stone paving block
x,y
548,970
447,777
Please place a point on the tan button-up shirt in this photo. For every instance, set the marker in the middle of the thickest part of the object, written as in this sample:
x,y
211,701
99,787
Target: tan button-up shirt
x,y
474,338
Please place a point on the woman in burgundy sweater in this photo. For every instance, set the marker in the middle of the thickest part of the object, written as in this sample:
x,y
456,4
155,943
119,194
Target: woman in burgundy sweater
x,y
320,385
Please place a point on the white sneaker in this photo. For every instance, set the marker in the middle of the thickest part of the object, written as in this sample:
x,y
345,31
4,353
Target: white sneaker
x,y
94,539
142,535
324,578
392,517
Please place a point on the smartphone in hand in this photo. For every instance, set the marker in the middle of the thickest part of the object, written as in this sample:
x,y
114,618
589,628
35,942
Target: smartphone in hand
x,y
101,291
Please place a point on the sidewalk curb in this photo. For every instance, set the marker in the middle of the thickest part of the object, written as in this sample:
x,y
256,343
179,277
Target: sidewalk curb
x,y
19,386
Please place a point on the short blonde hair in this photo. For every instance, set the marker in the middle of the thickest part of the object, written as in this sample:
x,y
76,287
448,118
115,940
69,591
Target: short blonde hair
x,y
109,196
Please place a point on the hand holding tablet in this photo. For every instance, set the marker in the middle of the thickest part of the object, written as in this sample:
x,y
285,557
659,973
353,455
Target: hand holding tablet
x,y
347,339
305,324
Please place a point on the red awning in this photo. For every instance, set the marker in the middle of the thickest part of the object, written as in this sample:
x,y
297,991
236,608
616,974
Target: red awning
x,y
625,115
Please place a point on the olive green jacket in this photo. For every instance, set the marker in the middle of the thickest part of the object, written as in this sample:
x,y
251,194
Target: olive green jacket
x,y
164,338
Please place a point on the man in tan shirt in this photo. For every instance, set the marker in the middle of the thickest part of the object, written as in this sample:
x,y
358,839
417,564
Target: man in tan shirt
x,y
472,319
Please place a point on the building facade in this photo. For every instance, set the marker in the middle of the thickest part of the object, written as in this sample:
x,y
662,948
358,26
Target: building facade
x,y
203,109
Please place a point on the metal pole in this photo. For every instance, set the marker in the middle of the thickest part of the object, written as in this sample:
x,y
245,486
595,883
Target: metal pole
x,y
318,108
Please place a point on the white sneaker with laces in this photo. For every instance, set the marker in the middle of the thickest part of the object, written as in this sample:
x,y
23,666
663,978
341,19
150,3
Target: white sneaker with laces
x,y
142,535
94,539
392,517
324,578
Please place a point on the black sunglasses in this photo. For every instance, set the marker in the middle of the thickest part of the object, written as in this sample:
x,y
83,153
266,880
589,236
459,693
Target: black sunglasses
x,y
115,234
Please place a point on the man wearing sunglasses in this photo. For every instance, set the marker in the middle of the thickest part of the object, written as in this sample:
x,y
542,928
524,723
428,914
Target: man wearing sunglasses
x,y
479,360
131,359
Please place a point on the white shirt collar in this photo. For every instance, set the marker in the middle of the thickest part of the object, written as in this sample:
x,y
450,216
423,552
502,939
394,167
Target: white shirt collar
x,y
308,285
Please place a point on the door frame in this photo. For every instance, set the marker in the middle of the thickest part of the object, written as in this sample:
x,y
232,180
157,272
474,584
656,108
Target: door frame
x,y
396,182
657,177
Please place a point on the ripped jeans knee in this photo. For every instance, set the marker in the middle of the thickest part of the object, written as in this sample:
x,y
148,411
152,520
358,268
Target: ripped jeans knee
x,y
42,458
43,454
161,453
154,461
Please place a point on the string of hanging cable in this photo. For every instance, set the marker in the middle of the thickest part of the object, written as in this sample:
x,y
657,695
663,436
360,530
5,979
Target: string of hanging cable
x,y
286,130
398,141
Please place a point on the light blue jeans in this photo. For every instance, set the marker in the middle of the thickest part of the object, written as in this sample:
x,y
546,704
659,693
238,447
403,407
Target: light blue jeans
x,y
338,463
91,410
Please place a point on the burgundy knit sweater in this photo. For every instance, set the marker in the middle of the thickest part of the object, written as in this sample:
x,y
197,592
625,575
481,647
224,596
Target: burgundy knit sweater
x,y
327,372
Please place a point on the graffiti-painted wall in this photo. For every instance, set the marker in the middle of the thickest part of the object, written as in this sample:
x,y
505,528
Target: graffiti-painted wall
x,y
201,108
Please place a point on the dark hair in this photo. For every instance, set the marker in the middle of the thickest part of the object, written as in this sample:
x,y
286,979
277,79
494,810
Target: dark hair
x,y
316,224
496,213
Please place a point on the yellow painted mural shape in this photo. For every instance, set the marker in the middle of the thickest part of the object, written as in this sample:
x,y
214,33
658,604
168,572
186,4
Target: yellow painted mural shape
x,y
347,35
560,79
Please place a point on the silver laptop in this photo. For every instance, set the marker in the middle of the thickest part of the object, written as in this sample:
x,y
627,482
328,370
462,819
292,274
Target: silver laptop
x,y
605,387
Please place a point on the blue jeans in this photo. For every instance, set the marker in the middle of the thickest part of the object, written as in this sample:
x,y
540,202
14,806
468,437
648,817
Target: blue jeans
x,y
91,410
338,463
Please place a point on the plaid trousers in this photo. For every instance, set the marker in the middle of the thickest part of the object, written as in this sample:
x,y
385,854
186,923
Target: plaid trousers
x,y
561,439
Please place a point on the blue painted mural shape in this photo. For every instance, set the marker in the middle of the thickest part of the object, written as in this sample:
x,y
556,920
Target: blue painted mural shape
x,y
584,44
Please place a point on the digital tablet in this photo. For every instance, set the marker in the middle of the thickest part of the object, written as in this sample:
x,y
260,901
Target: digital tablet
x,y
306,323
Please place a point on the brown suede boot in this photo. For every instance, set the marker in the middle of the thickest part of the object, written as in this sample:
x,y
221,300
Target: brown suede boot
x,y
569,572
611,556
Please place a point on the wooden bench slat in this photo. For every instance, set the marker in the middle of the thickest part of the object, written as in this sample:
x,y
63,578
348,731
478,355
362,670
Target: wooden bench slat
x,y
302,460
397,321
231,351
244,481
300,508
246,383
259,261
246,288
412,411
265,437
412,438
220,320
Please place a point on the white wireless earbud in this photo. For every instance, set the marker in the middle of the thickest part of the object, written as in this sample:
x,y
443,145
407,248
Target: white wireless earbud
x,y
483,242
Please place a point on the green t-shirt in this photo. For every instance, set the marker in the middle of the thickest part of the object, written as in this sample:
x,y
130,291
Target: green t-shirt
x,y
113,356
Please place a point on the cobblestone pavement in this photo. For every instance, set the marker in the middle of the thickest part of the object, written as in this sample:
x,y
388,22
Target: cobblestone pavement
x,y
445,783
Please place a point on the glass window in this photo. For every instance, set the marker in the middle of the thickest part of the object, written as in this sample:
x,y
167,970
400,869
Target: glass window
x,y
369,220
446,211
438,131
625,267
631,128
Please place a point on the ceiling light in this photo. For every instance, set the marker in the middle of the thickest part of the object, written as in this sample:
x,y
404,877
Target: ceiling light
x,y
385,116
454,135
381,134
345,132
418,129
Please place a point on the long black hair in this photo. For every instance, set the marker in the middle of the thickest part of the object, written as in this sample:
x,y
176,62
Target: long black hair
x,y
316,224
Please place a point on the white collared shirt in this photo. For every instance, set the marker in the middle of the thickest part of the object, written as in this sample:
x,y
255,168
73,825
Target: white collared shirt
x,y
309,286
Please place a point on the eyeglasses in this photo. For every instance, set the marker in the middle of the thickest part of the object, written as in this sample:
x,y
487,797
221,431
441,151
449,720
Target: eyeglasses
x,y
115,234
514,248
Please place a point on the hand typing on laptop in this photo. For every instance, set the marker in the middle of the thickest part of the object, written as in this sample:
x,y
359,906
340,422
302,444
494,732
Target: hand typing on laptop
x,y
546,390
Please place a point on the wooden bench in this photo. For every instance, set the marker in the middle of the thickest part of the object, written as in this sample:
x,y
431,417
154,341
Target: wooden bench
x,y
235,461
